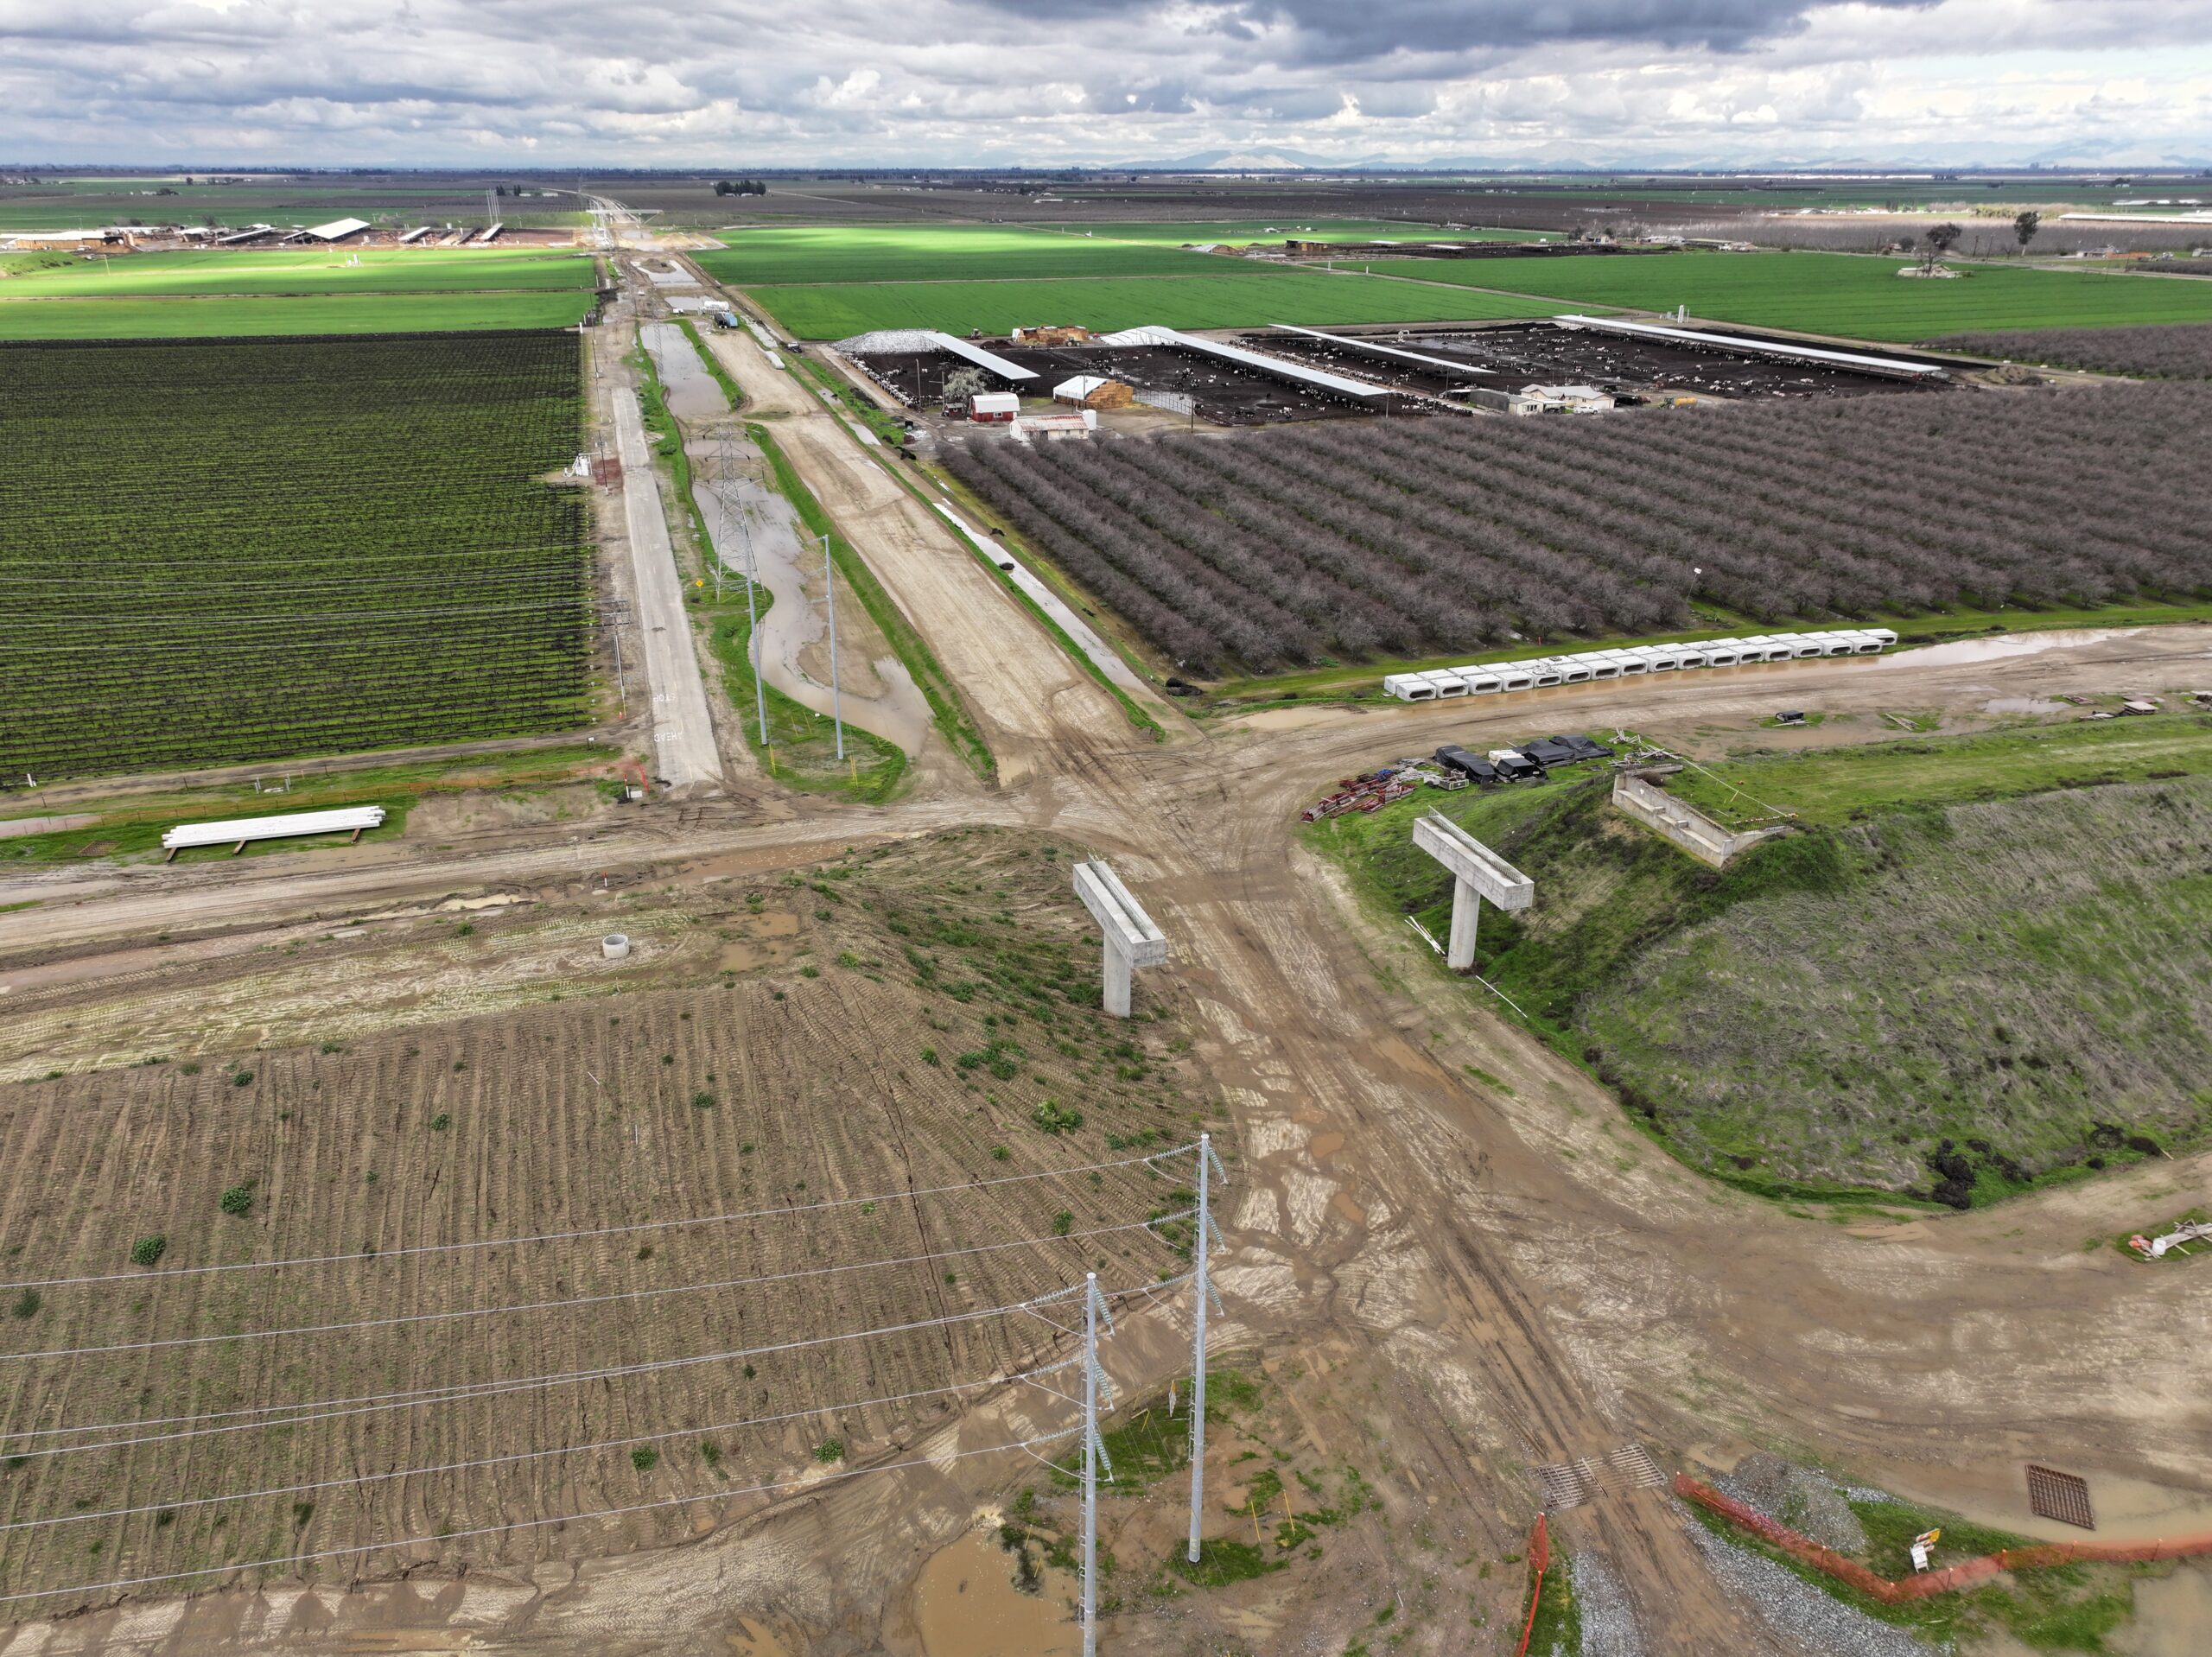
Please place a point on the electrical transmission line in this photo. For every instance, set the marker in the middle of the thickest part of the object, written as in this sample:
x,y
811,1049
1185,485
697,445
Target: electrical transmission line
x,y
582,1300
784,1211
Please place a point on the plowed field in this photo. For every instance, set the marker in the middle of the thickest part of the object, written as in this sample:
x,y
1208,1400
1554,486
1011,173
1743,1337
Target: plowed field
x,y
831,1049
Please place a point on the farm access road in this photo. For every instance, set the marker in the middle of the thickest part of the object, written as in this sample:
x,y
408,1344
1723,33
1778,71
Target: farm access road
x,y
1554,1306
684,753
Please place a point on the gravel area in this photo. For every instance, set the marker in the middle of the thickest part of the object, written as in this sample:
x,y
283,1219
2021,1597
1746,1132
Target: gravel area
x,y
1608,1626
1802,1617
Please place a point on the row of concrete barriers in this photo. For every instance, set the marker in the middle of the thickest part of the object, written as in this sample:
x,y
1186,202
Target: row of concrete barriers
x,y
1483,679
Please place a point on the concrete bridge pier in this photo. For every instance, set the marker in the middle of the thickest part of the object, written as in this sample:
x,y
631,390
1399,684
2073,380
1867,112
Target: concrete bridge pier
x,y
1478,872
1131,939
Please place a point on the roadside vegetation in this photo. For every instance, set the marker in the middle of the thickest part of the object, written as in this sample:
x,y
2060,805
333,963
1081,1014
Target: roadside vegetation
x,y
1950,998
801,751
130,825
2069,1607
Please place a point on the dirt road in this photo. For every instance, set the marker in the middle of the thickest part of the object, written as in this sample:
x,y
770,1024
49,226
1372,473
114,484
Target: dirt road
x,y
685,752
1417,1179
1039,713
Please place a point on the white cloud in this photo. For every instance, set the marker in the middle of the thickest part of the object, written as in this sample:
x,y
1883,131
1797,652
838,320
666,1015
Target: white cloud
x,y
739,82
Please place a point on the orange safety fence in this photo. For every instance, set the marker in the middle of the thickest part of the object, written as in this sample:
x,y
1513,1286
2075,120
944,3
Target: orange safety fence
x,y
1539,1558
1950,1578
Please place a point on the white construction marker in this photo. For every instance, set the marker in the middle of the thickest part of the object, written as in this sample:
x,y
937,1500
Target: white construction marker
x,y
1478,872
1131,938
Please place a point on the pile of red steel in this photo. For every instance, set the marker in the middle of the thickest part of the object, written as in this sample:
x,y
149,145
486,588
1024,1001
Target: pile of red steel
x,y
1370,792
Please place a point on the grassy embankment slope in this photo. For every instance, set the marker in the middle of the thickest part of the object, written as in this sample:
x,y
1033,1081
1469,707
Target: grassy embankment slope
x,y
1981,961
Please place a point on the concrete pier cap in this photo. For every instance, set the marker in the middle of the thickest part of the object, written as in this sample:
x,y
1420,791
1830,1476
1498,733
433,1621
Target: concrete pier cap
x,y
1131,939
1477,873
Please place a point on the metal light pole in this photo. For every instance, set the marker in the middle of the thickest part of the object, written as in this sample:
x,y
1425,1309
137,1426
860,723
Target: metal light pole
x,y
830,594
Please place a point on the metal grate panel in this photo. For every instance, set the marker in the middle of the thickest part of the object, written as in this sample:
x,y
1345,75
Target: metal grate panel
x,y
1567,1484
2062,1496
1632,1464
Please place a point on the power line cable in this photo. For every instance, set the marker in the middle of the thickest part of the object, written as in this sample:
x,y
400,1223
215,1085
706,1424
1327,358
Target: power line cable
x,y
293,1415
532,1524
581,1300
1025,1378
785,1212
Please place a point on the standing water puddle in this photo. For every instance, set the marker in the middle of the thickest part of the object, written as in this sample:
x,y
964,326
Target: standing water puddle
x,y
1997,648
886,702
966,1605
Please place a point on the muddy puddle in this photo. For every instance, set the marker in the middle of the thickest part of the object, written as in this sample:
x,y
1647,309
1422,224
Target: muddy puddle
x,y
2023,705
2173,1616
751,525
1997,648
693,394
965,1604
751,1639
2128,1509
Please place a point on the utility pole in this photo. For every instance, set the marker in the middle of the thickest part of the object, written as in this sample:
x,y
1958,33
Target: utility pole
x,y
829,595
1093,1453
753,620
1201,1286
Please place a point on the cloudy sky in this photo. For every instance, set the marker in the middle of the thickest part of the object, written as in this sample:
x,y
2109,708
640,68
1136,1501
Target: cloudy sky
x,y
730,83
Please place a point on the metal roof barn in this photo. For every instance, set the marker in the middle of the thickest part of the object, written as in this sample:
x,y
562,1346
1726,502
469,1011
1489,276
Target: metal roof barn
x,y
1445,363
981,358
1890,366
336,231
1266,365
237,831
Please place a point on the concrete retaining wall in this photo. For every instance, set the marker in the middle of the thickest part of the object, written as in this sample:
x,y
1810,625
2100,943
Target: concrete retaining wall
x,y
1694,832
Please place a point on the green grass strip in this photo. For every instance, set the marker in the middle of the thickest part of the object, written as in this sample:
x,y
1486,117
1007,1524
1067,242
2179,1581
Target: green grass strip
x,y
946,709
1135,709
800,752
730,388
858,402
136,824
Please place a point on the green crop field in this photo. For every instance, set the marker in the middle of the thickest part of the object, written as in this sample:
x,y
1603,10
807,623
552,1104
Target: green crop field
x,y
1236,297
200,319
1848,295
283,270
224,550
934,253
1240,232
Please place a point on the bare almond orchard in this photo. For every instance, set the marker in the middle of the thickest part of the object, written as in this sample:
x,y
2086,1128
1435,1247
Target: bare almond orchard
x,y
1449,1259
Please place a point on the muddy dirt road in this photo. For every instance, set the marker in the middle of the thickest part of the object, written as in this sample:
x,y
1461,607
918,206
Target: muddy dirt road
x,y
1503,1246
